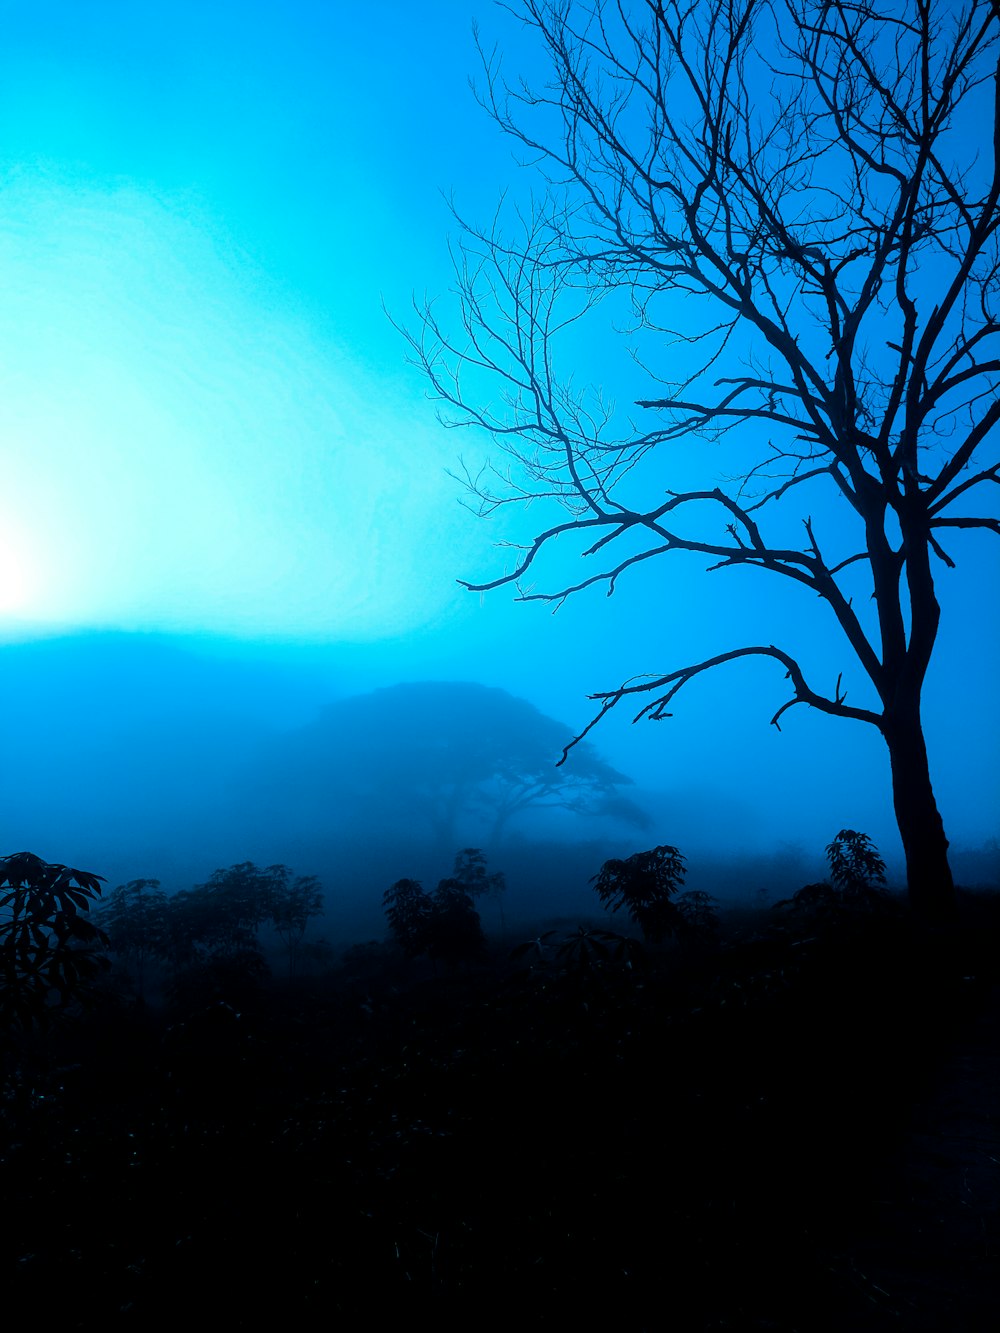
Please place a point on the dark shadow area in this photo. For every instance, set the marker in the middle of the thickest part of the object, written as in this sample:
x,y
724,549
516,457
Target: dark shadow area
x,y
768,1118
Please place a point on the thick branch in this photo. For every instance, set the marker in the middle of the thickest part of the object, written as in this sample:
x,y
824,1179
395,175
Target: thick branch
x,y
675,681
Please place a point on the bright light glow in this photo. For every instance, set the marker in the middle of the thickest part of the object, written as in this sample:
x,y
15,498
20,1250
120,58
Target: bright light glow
x,y
21,579
190,452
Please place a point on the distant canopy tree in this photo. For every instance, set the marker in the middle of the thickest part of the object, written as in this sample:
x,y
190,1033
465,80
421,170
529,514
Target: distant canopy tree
x,y
446,755
799,204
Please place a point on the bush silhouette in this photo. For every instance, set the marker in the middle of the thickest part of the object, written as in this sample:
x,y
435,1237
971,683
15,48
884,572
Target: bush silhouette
x,y
648,885
444,925
857,882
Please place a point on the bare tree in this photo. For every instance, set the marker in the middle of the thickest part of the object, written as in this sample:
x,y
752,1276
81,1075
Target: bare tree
x,y
797,203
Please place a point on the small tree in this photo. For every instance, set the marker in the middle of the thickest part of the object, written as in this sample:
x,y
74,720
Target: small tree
x,y
409,910
470,871
291,906
456,933
444,925
135,918
223,916
855,865
857,880
50,953
645,885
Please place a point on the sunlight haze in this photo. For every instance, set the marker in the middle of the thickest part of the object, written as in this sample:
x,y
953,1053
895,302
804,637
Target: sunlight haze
x,y
210,215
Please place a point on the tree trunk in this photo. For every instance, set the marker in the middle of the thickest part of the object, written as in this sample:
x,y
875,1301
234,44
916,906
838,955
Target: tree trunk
x,y
928,874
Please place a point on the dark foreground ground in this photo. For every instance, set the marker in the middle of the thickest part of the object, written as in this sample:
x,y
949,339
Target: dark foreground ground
x,y
795,1130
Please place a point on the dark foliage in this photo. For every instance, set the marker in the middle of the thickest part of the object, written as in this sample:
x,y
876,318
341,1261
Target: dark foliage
x,y
408,910
456,935
855,865
470,871
292,904
572,1143
647,885
857,872
136,919
444,925
213,929
585,953
50,953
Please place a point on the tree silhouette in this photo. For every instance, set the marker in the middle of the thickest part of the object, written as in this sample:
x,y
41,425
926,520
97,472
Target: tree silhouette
x,y
856,883
442,754
408,910
810,190
856,868
456,934
646,884
291,906
470,871
444,925
135,919
222,918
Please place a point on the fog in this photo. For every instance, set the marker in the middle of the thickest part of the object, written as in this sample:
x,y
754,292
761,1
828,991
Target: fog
x,y
143,756
401,407
227,506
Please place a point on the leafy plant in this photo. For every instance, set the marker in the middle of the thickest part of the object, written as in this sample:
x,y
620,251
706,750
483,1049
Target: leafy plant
x,y
50,953
698,918
855,865
645,885
587,949
857,880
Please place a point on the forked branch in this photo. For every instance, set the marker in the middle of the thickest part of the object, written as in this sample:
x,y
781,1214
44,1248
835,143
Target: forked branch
x,y
665,688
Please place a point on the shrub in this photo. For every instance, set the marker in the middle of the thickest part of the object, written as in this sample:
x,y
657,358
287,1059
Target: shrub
x,y
857,882
855,865
647,886
444,925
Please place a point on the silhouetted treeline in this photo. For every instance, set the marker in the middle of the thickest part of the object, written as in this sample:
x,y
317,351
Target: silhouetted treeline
x,y
594,1128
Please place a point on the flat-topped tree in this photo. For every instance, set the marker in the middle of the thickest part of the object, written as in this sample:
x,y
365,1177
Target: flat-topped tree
x,y
445,754
810,190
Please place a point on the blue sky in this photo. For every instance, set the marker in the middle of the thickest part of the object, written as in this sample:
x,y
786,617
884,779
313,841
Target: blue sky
x,y
208,426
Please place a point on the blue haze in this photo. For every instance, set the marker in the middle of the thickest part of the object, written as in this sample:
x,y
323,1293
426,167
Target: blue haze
x,y
224,498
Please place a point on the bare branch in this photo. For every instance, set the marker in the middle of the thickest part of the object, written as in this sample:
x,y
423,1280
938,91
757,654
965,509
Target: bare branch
x,y
674,681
